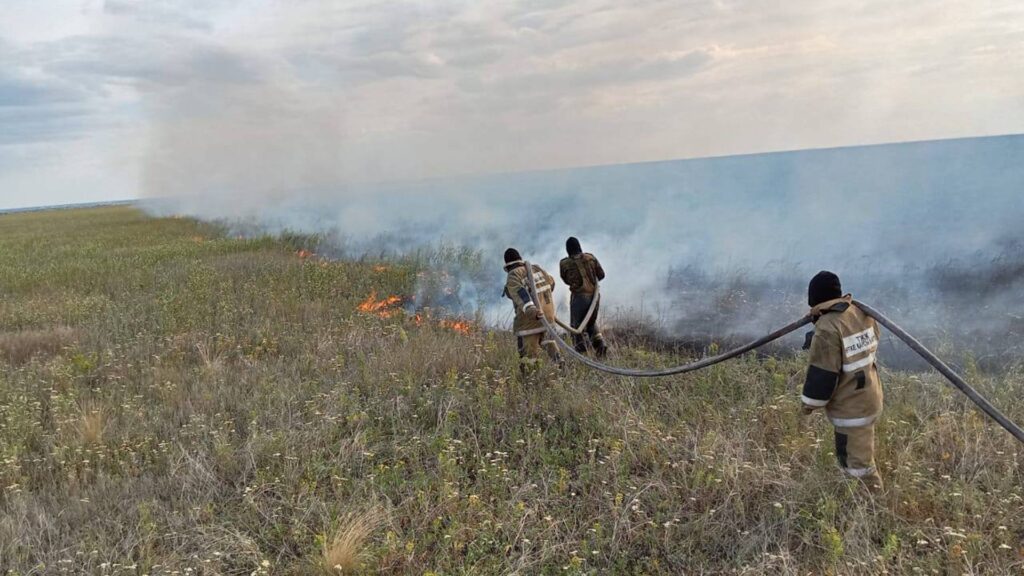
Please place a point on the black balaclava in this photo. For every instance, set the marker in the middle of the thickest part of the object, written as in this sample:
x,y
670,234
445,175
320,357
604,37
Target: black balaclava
x,y
511,255
572,246
824,286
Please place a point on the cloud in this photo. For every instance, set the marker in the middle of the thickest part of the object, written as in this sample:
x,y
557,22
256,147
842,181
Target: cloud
x,y
19,89
161,13
144,63
428,88
575,78
29,125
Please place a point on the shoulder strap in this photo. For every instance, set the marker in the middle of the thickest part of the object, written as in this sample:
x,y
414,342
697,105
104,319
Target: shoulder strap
x,y
839,307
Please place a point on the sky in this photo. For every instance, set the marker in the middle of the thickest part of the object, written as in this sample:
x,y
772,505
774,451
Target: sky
x,y
116,99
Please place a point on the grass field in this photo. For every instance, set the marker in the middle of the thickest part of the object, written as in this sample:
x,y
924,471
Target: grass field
x,y
174,401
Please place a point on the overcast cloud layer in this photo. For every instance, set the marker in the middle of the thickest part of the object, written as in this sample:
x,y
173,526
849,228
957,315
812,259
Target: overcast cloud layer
x,y
122,98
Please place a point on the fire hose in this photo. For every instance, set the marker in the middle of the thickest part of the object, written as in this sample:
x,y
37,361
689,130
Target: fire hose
x,y
955,380
586,319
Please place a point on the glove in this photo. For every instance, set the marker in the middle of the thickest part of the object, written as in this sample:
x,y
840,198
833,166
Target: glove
x,y
538,313
807,340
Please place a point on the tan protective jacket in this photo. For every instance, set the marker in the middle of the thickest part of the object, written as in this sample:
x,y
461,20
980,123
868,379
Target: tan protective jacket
x,y
842,376
581,273
517,289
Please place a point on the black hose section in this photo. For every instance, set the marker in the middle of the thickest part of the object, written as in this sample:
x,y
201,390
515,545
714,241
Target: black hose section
x,y
664,371
945,370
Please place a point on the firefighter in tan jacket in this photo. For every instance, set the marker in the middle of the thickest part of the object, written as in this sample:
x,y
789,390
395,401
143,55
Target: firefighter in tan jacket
x,y
531,336
582,272
842,377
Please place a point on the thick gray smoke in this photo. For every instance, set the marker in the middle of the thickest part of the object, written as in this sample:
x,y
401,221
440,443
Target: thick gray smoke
x,y
710,247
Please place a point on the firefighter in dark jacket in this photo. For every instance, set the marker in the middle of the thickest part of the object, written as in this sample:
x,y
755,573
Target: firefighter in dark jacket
x,y
842,377
582,272
531,336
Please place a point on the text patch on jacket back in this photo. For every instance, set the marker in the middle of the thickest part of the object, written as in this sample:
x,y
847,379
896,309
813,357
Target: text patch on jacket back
x,y
857,344
862,341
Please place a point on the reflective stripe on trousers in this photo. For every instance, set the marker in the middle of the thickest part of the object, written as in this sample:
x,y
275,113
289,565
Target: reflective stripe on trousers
x,y
853,422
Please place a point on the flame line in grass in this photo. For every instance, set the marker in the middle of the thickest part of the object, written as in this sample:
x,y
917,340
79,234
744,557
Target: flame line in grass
x,y
384,308
389,307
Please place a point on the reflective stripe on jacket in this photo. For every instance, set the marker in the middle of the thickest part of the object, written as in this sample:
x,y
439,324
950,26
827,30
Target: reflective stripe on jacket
x,y
517,289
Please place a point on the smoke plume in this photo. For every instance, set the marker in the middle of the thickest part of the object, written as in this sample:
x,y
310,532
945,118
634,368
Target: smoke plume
x,y
712,248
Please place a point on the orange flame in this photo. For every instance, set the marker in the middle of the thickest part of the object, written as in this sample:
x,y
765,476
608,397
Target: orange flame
x,y
388,307
384,308
461,326
304,254
380,268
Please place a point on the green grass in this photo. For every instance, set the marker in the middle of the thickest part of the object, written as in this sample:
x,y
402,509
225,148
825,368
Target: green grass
x,y
175,401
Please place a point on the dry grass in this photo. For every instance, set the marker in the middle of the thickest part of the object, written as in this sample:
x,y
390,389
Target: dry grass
x,y
20,346
220,403
345,552
92,425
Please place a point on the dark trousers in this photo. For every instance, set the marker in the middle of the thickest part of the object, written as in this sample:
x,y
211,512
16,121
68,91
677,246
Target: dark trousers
x,y
579,305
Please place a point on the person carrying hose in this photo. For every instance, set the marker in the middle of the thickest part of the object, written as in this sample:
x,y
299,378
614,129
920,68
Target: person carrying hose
x,y
531,336
581,272
842,377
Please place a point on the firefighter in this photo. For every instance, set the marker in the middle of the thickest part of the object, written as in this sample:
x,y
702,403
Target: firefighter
x,y
842,376
581,272
531,336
